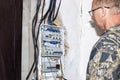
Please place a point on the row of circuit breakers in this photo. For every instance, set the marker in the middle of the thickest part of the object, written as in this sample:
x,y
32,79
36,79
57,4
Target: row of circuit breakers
x,y
51,55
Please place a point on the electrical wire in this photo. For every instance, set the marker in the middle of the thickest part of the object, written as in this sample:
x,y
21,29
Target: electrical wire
x,y
57,11
50,16
34,22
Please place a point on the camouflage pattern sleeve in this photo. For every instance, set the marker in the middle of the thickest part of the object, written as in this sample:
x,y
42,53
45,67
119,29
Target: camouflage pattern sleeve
x,y
104,63
104,66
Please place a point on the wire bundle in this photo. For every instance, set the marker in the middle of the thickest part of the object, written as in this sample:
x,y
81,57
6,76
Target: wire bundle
x,y
49,16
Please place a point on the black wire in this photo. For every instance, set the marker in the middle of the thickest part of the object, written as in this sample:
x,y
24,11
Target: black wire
x,y
43,8
53,10
50,14
35,43
57,11
51,17
64,78
34,21
30,71
37,48
45,16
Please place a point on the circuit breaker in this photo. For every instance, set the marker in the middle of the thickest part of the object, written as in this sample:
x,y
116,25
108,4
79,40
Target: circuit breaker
x,y
51,56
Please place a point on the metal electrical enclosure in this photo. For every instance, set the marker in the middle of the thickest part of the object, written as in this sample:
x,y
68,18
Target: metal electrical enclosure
x,y
51,55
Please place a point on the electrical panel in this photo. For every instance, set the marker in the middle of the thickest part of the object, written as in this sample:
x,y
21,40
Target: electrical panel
x,y
51,57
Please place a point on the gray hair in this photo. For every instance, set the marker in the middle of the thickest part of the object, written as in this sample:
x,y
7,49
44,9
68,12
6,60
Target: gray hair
x,y
110,3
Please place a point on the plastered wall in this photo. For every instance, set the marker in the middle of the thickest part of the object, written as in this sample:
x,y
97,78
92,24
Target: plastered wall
x,y
81,36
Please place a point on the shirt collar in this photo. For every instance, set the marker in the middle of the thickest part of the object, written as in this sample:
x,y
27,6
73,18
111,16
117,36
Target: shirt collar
x,y
113,28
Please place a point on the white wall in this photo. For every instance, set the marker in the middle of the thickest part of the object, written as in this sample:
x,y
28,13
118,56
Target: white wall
x,y
70,11
80,36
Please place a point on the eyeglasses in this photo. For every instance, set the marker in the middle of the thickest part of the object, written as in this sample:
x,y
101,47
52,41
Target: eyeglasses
x,y
91,11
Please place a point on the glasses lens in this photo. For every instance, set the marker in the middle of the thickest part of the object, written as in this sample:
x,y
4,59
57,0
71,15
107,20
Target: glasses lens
x,y
91,12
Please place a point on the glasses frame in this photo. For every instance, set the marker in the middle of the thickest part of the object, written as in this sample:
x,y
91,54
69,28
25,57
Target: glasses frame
x,y
91,11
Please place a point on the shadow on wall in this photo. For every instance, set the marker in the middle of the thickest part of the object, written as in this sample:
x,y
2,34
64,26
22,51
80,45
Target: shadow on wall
x,y
97,29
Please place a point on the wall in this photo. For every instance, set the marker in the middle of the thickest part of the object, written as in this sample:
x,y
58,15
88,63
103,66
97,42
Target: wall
x,y
81,36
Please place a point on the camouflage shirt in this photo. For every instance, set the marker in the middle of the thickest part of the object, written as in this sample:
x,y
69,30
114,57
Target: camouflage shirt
x,y
104,63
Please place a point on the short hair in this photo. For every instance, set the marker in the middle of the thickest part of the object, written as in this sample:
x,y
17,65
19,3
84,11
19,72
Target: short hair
x,y
109,3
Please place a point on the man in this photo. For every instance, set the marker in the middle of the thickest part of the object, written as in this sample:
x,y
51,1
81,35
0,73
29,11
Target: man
x,y
104,63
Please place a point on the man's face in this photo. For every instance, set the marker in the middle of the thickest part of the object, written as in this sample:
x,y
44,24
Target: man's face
x,y
97,15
